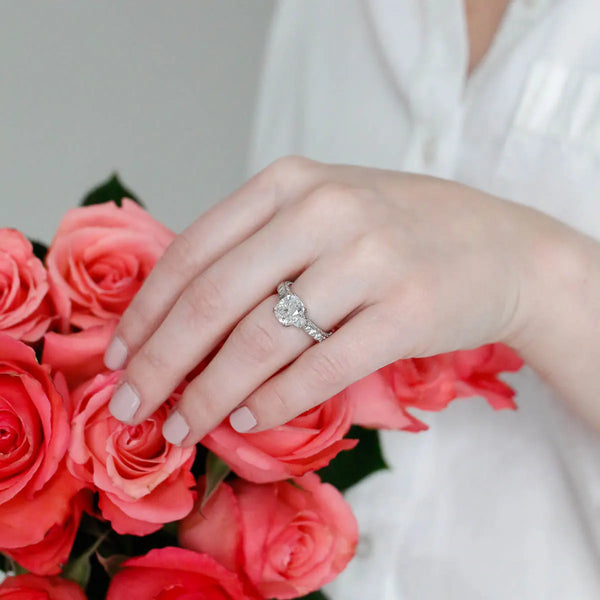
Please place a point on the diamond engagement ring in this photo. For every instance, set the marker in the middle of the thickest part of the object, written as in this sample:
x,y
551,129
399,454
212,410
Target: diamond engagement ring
x,y
291,311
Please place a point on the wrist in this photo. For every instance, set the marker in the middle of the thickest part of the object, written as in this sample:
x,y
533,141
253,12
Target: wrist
x,y
556,332
555,263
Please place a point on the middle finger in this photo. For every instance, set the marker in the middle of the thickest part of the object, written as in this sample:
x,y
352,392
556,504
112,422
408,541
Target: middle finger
x,y
218,298
260,346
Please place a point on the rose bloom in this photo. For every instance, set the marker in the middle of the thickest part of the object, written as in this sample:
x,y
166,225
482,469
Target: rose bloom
x,y
34,587
287,539
99,259
306,443
35,486
477,370
78,356
381,399
143,481
50,555
174,574
25,308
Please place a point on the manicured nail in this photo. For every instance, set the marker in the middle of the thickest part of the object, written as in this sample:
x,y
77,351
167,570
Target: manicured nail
x,y
116,354
124,403
175,428
242,419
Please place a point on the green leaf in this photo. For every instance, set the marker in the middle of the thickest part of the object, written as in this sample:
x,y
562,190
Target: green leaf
x,y
112,564
350,466
318,595
216,471
12,566
80,569
110,190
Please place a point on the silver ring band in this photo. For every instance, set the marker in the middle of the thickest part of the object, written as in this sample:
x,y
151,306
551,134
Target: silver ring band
x,y
290,310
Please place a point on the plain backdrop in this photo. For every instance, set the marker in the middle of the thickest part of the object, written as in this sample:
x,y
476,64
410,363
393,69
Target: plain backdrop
x,y
161,92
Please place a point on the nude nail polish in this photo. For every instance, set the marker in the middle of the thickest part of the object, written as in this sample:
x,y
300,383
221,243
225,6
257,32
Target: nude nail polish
x,y
242,419
116,354
175,428
124,403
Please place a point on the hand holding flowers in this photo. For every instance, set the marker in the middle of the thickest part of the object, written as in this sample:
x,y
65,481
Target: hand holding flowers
x,y
72,475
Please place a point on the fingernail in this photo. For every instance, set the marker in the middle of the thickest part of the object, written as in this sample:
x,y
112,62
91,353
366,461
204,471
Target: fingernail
x,y
242,419
124,403
116,354
175,428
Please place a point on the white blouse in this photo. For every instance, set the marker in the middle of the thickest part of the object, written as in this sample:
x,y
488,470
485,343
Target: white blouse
x,y
485,505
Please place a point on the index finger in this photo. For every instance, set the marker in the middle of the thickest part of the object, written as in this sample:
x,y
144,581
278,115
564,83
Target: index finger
x,y
222,227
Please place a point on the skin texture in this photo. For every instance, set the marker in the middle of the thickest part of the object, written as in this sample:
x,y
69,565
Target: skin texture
x,y
400,265
483,20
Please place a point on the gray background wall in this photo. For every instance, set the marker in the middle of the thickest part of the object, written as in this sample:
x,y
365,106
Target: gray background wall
x,y
161,91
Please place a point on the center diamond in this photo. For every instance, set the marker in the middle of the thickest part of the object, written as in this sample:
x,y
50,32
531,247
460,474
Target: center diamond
x,y
290,311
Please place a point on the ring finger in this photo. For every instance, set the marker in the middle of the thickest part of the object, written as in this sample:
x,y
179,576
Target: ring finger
x,y
219,297
259,346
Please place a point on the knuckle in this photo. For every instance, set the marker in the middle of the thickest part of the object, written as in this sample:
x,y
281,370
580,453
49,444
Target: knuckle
x,y
276,400
324,369
378,247
284,170
200,405
150,361
326,197
290,166
253,340
135,322
204,300
334,201
202,411
181,256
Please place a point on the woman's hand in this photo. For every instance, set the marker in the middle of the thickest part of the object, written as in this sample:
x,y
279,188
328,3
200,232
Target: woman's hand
x,y
399,265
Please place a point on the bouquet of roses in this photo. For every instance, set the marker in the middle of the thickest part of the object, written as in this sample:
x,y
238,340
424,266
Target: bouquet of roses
x,y
94,508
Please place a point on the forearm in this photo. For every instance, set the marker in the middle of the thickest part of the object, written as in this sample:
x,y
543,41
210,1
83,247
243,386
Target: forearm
x,y
560,337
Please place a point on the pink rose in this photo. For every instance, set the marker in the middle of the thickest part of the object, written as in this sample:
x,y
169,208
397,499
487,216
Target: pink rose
x,y
477,370
382,398
306,443
34,587
287,539
376,405
25,309
78,356
143,481
174,574
50,555
35,487
99,259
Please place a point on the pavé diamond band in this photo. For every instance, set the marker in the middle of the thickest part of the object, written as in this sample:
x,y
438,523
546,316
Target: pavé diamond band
x,y
290,310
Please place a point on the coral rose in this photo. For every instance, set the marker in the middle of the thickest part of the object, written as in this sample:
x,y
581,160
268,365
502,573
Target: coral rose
x,y
306,443
99,259
33,587
477,370
25,308
286,538
78,356
143,481
174,574
35,487
50,555
381,399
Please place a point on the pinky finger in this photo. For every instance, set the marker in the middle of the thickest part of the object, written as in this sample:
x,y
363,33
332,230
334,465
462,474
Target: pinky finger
x,y
353,351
